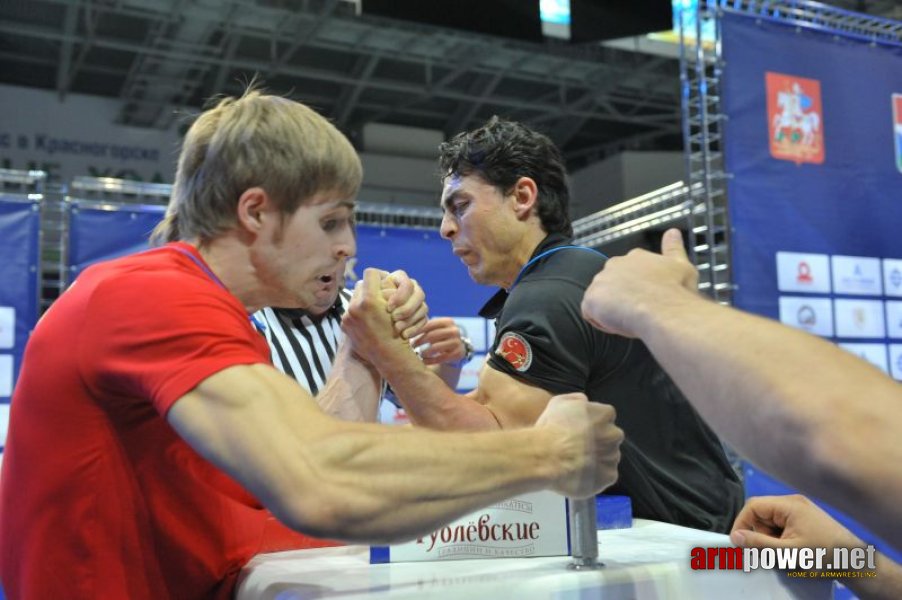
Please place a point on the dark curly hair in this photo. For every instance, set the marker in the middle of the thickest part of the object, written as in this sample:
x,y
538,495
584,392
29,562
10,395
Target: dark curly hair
x,y
501,152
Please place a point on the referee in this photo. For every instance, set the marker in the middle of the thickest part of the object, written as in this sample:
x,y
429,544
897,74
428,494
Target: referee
x,y
304,343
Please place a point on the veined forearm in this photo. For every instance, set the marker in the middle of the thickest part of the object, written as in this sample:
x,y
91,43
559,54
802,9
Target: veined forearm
x,y
378,487
427,399
353,389
887,585
449,373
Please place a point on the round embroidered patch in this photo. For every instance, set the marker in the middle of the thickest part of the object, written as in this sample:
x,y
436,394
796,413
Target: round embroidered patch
x,y
515,349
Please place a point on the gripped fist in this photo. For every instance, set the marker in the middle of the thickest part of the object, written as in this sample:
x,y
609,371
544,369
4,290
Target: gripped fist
x,y
367,323
590,440
406,302
640,281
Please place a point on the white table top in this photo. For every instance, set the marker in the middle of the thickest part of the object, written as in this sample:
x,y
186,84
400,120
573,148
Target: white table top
x,y
649,561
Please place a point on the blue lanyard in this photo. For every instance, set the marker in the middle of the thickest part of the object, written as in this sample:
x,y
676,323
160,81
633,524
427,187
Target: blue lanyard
x,y
546,253
254,321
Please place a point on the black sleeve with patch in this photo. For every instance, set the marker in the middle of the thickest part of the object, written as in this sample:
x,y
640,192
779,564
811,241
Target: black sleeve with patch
x,y
562,350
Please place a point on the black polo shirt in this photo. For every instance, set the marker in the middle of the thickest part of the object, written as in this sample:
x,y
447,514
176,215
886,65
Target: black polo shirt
x,y
672,465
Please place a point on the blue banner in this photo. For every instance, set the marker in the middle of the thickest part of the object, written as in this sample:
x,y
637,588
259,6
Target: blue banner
x,y
815,194
20,253
816,189
101,231
426,257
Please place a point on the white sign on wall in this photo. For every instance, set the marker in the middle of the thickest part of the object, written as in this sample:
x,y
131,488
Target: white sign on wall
x,y
814,315
857,275
7,327
894,319
895,360
859,318
79,136
4,424
6,375
798,272
892,276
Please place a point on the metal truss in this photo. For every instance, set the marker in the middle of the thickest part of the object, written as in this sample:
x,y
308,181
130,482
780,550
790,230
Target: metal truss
x,y
665,206
162,58
820,17
701,68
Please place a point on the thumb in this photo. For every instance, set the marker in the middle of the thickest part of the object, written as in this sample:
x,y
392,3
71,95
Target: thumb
x,y
746,538
371,282
672,245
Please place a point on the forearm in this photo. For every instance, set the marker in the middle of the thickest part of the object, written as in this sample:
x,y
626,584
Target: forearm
x,y
353,389
360,481
392,485
887,585
796,405
448,372
427,400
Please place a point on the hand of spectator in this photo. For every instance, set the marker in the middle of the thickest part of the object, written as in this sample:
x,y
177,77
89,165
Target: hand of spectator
x,y
406,301
440,342
786,522
592,442
632,285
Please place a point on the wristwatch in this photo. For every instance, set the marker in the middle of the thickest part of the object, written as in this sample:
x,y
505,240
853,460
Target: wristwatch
x,y
468,351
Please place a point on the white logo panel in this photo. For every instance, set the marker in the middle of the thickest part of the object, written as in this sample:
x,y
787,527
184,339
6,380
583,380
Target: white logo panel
x,y
473,328
803,272
894,319
873,353
7,327
859,319
4,424
895,360
814,315
892,276
857,275
6,375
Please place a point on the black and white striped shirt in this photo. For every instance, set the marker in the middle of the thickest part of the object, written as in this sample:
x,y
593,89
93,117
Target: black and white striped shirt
x,y
303,347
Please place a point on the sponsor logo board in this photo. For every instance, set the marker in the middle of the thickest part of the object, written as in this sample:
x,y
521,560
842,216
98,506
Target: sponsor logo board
x,y
859,318
798,272
814,315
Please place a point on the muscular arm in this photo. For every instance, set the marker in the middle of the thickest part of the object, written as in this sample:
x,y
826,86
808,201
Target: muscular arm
x,y
805,410
801,408
499,401
371,483
353,389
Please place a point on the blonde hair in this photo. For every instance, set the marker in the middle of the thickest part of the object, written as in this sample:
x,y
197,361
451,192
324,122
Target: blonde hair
x,y
256,140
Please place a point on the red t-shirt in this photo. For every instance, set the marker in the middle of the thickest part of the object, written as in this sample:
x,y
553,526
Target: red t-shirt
x,y
100,497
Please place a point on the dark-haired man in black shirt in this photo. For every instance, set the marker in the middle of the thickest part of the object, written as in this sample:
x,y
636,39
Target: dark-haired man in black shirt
x,y
505,201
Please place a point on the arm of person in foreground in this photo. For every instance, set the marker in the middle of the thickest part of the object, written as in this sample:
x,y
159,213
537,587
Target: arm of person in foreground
x,y
801,408
797,522
500,401
372,483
